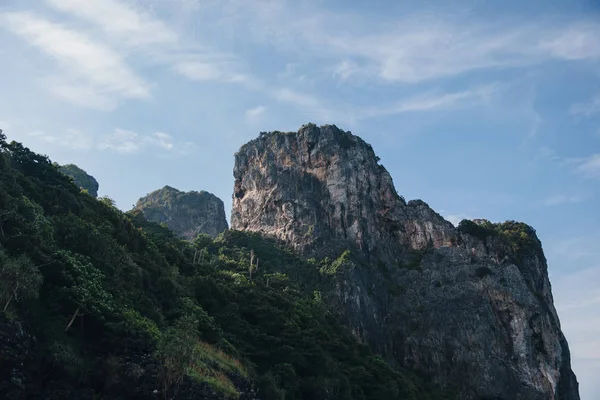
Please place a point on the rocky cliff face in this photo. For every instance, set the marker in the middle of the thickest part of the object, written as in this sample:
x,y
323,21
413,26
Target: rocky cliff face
x,y
185,213
81,178
471,307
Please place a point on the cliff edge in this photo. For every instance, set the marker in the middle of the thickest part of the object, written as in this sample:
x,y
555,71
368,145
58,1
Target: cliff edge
x,y
470,307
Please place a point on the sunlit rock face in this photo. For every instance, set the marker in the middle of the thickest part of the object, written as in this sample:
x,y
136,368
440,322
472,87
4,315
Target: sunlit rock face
x,y
470,307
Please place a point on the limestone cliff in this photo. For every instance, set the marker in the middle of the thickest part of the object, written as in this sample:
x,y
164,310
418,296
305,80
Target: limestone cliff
x,y
470,307
185,213
81,178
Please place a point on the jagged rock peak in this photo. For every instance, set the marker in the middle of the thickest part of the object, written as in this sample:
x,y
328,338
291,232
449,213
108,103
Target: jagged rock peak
x,y
470,306
185,213
322,184
81,178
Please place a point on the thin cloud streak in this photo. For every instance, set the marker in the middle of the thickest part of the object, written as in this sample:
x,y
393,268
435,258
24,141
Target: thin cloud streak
x,y
563,199
119,19
72,139
587,109
428,102
589,167
124,141
418,48
254,113
92,66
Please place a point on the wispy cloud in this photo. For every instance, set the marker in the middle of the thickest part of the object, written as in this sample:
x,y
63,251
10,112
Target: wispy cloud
x,y
563,199
587,109
345,69
253,113
588,167
214,70
428,102
88,96
576,42
420,47
93,68
119,19
292,96
128,142
72,139
92,72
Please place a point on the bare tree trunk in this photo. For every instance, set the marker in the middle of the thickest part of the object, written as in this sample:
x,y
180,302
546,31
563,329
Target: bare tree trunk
x,y
12,296
72,319
8,302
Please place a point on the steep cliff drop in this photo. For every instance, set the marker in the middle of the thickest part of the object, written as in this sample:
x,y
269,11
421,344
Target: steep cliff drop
x,y
185,213
471,307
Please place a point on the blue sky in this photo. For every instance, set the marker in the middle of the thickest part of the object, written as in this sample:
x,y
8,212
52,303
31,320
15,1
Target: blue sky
x,y
479,109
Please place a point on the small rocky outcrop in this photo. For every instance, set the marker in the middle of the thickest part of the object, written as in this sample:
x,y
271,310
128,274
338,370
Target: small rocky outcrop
x,y
185,213
81,178
471,307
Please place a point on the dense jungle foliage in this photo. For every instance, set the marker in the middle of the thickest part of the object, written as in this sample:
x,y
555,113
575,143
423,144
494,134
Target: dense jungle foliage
x,y
101,304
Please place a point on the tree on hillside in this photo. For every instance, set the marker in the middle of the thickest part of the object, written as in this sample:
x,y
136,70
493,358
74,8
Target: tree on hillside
x,y
83,287
19,279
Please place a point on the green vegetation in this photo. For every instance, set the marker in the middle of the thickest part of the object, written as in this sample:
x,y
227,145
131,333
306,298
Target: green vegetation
x,y
480,230
122,309
518,236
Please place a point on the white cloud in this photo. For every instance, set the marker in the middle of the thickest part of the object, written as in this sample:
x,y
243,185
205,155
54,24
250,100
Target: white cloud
x,y
428,102
589,167
563,199
199,71
577,42
71,139
118,19
288,95
220,68
345,69
129,142
587,109
254,113
97,73
415,48
83,95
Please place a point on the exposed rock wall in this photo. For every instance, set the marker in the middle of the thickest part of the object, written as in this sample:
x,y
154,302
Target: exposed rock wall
x,y
81,178
185,213
473,311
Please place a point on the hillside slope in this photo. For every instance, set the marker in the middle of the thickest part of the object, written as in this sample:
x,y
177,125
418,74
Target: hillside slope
x,y
99,304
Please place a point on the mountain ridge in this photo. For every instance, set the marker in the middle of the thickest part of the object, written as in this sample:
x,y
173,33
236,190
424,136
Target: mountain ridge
x,y
322,191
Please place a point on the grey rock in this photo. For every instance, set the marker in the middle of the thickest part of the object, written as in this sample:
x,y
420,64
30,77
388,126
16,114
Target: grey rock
x,y
185,213
474,312
81,178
